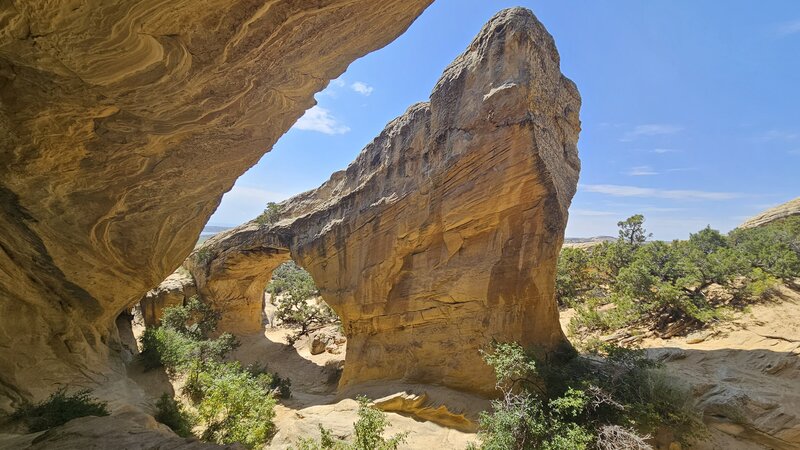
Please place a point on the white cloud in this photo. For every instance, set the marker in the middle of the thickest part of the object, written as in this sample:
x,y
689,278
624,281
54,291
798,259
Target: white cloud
x,y
788,28
362,88
339,82
639,171
662,151
243,203
591,213
779,135
635,191
320,119
651,129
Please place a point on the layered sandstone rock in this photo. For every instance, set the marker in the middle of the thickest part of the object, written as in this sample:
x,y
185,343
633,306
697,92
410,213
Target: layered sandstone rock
x,y
232,269
788,209
121,126
443,234
176,290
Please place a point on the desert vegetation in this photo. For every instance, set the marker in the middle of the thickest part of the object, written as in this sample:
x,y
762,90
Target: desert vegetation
x,y
58,409
368,433
674,287
227,403
610,400
295,295
270,215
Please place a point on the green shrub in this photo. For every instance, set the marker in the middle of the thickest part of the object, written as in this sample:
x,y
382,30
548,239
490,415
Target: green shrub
x,y
271,214
367,433
59,409
657,284
164,346
235,406
774,248
568,400
573,276
279,386
174,415
196,319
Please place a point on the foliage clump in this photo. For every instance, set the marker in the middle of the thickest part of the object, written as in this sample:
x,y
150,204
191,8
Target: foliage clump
x,y
233,404
59,409
579,403
270,215
368,433
174,415
657,284
294,292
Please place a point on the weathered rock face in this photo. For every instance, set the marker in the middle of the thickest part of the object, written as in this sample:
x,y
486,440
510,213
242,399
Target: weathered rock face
x,y
232,269
177,289
445,231
788,209
121,126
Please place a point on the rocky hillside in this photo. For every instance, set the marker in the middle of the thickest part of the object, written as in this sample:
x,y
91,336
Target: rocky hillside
x,y
788,209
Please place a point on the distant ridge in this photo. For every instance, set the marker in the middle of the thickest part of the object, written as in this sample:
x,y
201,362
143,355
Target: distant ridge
x,y
213,229
790,208
587,242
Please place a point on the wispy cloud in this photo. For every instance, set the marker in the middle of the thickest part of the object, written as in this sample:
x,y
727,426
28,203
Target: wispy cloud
x,y
591,212
661,151
658,209
321,120
794,152
683,169
639,171
650,129
636,191
788,28
362,88
779,135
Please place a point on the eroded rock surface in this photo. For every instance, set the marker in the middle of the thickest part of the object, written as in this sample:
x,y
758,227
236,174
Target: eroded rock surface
x,y
121,126
444,233
176,290
788,209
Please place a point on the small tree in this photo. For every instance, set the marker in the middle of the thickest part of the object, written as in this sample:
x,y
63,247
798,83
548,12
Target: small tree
x,y
573,276
271,214
296,304
632,232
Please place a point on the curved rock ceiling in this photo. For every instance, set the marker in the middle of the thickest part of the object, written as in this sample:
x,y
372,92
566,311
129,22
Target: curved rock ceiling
x,y
122,123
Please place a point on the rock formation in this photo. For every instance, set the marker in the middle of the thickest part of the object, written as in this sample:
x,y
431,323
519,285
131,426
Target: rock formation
x,y
444,233
177,289
232,269
121,126
788,209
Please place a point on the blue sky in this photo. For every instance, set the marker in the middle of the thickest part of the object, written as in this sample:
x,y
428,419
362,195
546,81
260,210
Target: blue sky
x,y
690,109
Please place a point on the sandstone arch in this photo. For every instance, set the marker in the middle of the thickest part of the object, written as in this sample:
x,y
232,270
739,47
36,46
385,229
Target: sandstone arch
x,y
121,126
444,233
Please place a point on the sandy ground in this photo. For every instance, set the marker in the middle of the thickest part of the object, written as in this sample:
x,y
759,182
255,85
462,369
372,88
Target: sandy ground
x,y
314,400
745,375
